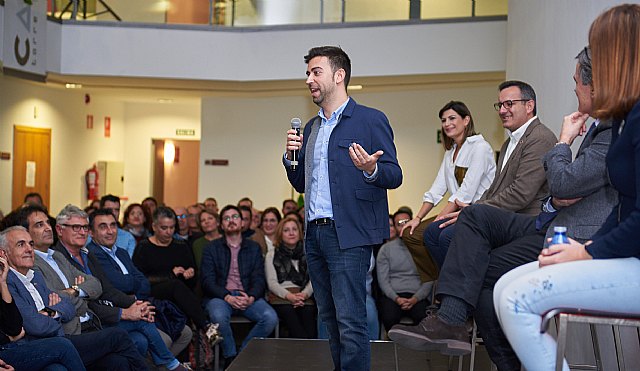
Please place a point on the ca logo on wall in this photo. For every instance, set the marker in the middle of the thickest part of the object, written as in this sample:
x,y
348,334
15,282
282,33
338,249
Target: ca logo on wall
x,y
24,42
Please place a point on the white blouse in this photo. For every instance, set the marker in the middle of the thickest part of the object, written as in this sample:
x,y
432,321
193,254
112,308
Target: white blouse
x,y
476,161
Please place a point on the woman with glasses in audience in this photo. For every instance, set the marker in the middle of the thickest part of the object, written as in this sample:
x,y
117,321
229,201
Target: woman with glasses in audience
x,y
209,223
467,170
169,266
604,273
288,280
135,219
268,223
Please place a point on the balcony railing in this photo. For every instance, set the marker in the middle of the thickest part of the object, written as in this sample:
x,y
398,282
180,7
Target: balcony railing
x,y
244,13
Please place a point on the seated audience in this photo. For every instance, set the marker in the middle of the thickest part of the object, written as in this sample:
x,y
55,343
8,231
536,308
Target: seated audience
x,y
168,265
109,306
211,204
44,312
403,294
209,223
581,198
255,235
233,283
34,198
192,221
52,353
268,224
135,220
601,274
125,276
125,239
182,225
289,206
288,280
467,169
149,205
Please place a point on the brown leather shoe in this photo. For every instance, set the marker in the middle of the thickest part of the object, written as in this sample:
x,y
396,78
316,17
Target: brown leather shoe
x,y
433,334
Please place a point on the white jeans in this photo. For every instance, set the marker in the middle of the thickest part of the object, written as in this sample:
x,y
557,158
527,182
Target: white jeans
x,y
522,295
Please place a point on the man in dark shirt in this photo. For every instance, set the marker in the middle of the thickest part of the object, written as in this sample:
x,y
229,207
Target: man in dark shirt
x,y
233,282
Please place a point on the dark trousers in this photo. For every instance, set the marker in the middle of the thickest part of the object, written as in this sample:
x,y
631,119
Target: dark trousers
x,y
391,313
108,349
488,243
300,321
182,296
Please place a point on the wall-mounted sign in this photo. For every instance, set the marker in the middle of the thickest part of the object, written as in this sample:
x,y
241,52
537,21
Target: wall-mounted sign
x,y
89,121
30,178
186,132
107,127
216,162
25,36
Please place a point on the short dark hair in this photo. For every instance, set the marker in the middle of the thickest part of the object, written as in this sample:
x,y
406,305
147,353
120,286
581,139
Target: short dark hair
x,y
24,214
33,194
584,63
402,211
526,92
245,208
230,207
101,211
110,198
462,110
164,212
337,59
150,199
289,200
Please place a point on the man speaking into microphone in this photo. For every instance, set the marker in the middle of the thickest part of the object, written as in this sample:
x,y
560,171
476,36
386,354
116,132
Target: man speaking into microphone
x,y
346,162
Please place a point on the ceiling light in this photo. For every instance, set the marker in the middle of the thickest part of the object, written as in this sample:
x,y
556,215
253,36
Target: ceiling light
x,y
354,87
165,100
72,86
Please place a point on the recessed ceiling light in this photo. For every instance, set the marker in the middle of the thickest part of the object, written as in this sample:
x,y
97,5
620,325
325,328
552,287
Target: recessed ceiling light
x,y
72,86
165,100
354,87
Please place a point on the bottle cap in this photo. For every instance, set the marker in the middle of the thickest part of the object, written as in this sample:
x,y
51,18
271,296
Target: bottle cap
x,y
559,229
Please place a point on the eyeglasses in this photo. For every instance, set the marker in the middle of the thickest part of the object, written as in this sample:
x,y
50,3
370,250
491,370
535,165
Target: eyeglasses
x,y
77,227
234,217
182,216
508,103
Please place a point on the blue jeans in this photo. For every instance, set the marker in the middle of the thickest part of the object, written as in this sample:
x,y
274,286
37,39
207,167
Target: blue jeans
x,y
522,295
56,353
145,336
373,324
259,312
339,285
437,240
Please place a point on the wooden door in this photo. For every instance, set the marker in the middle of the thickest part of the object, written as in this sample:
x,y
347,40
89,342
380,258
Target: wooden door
x,y
31,163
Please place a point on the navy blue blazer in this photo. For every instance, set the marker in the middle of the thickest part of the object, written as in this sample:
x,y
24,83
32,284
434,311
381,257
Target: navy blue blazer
x,y
360,207
134,283
619,235
216,262
35,324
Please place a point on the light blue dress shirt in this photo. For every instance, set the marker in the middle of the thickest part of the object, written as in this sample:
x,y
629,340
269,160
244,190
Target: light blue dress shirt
x,y
320,194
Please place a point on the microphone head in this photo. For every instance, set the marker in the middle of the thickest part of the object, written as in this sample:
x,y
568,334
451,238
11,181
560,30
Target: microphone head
x,y
295,123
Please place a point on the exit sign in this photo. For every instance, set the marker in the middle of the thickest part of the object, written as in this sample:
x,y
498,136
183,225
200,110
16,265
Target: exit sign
x,y
186,132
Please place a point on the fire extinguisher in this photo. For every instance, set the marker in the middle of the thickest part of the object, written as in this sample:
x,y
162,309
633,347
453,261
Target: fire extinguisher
x,y
91,180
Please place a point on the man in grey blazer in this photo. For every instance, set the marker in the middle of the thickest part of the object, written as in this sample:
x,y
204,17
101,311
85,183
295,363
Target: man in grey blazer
x,y
490,241
78,288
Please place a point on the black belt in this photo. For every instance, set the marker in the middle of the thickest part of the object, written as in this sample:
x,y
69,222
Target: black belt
x,y
322,221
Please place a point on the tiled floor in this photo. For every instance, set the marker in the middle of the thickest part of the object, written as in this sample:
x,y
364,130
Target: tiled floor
x,y
313,355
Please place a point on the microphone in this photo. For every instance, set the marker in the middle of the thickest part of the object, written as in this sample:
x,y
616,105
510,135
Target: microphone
x,y
295,124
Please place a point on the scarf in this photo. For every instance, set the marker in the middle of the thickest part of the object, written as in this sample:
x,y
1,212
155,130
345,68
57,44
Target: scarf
x,y
285,270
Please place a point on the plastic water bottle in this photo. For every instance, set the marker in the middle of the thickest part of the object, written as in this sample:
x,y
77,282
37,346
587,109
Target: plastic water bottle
x,y
559,235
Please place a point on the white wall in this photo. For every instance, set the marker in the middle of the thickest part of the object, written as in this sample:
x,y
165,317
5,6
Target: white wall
x,y
74,148
250,132
543,39
248,55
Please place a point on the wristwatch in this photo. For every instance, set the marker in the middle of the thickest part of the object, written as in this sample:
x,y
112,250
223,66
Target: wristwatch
x,y
77,290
